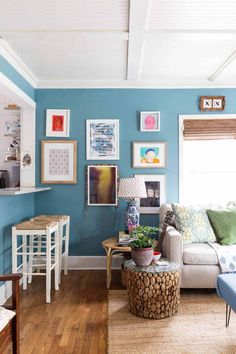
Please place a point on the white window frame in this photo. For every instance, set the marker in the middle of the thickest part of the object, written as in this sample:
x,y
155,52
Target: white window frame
x,y
181,140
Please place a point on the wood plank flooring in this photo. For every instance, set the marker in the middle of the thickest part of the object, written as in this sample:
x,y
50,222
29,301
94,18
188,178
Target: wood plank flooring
x,y
76,320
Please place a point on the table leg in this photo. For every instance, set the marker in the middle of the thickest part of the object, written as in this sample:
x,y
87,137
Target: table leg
x,y
109,258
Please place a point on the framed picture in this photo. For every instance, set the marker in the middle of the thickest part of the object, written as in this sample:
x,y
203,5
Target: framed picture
x,y
59,161
102,185
26,160
58,122
212,103
102,139
156,194
150,121
149,154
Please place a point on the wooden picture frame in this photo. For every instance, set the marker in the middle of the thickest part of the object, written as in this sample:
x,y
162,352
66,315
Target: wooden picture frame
x,y
149,154
58,123
212,103
59,161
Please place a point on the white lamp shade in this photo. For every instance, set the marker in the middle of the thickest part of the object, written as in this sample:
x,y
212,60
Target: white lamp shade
x,y
130,188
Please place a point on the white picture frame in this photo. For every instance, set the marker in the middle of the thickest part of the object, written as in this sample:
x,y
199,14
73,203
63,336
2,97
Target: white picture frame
x,y
149,154
150,121
58,123
102,139
156,192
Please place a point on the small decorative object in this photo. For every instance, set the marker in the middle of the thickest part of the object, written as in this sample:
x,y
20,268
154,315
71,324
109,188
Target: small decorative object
x,y
156,257
156,194
142,245
26,160
59,161
103,139
58,123
150,121
131,188
149,154
102,185
212,103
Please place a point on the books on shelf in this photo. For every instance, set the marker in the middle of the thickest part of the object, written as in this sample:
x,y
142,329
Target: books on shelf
x,y
124,239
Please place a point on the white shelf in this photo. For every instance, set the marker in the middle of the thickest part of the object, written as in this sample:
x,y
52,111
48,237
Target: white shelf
x,y
23,190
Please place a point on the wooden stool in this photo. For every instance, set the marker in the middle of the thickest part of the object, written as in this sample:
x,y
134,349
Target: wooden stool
x,y
31,233
64,221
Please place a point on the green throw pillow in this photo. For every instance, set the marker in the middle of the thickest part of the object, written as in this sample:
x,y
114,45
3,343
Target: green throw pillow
x,y
224,225
193,224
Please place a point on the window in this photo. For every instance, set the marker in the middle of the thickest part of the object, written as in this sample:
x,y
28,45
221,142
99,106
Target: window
x,y
208,169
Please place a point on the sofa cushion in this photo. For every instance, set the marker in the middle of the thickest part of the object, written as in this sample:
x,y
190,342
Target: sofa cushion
x,y
5,317
193,224
224,225
199,253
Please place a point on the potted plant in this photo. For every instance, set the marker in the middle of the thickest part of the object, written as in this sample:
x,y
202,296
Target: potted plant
x,y
142,244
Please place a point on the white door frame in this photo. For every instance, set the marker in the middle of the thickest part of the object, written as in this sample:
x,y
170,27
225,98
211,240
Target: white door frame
x,y
28,106
181,139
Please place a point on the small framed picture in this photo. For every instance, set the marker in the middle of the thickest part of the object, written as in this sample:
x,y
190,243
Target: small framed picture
x,y
26,160
102,185
150,121
102,139
156,194
149,154
58,123
212,103
59,161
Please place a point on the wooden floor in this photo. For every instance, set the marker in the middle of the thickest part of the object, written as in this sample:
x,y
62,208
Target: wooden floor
x,y
75,321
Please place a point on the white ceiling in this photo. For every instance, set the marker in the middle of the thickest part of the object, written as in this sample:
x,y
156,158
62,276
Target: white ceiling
x,y
122,43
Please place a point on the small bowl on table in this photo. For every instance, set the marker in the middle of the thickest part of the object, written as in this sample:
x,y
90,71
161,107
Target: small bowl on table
x,y
156,257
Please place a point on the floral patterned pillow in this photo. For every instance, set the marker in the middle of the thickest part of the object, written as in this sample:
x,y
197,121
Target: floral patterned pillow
x,y
193,224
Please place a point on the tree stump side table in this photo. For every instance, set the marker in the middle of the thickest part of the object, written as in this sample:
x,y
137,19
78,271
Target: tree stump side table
x,y
153,292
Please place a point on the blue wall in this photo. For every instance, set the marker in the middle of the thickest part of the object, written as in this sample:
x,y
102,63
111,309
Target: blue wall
x,y
14,208
90,225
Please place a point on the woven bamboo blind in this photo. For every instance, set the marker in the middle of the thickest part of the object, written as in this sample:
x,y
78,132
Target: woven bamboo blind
x,y
209,129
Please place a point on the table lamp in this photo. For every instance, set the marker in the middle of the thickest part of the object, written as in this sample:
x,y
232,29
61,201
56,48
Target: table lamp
x,y
131,188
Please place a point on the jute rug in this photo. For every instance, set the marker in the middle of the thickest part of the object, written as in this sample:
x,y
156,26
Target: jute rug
x,y
198,327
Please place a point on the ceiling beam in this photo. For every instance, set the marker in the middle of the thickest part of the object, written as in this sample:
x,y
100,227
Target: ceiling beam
x,y
138,17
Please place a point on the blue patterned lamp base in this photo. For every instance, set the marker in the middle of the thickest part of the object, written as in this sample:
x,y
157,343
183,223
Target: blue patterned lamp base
x,y
131,216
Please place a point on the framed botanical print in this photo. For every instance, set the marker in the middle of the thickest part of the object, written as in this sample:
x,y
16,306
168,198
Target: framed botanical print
x,y
149,154
102,139
58,123
102,185
212,103
59,161
156,194
150,121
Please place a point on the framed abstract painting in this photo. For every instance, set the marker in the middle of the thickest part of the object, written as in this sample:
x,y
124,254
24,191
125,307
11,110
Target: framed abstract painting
x,y
149,154
58,123
150,121
102,185
59,161
156,194
102,139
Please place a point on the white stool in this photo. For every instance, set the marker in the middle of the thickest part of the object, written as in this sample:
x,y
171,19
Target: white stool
x,y
32,233
64,221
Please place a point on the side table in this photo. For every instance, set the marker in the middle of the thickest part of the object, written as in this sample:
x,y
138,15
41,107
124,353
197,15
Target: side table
x,y
153,291
112,249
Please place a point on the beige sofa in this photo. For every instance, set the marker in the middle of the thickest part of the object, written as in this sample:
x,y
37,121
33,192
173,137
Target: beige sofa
x,y
198,262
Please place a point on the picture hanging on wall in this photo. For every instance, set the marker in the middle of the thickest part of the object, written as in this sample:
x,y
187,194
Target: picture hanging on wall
x,y
102,139
156,194
149,154
58,123
59,161
26,160
150,121
102,185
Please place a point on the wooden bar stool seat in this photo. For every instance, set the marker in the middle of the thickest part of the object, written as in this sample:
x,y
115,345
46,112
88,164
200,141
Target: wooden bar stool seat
x,y
34,241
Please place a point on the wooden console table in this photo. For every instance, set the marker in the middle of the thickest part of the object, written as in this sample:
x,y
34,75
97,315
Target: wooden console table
x,y
112,250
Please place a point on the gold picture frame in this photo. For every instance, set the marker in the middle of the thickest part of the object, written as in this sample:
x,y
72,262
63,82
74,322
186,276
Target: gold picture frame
x,y
212,103
59,161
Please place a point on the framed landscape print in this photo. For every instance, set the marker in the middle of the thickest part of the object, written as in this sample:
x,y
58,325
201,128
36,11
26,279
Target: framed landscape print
x,y
102,185
102,139
150,121
58,122
149,154
156,194
59,161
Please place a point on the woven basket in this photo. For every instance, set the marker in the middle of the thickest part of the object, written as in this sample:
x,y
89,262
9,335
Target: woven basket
x,y
124,275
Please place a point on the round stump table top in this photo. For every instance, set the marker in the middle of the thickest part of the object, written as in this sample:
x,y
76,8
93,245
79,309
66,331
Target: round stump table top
x,y
153,268
112,243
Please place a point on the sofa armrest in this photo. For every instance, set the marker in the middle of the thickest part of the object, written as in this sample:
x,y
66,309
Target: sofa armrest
x,y
173,246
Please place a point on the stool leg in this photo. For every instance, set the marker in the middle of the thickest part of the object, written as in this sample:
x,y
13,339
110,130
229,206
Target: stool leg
x,y
30,259
48,266
14,250
39,250
57,237
60,249
66,248
228,312
24,260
